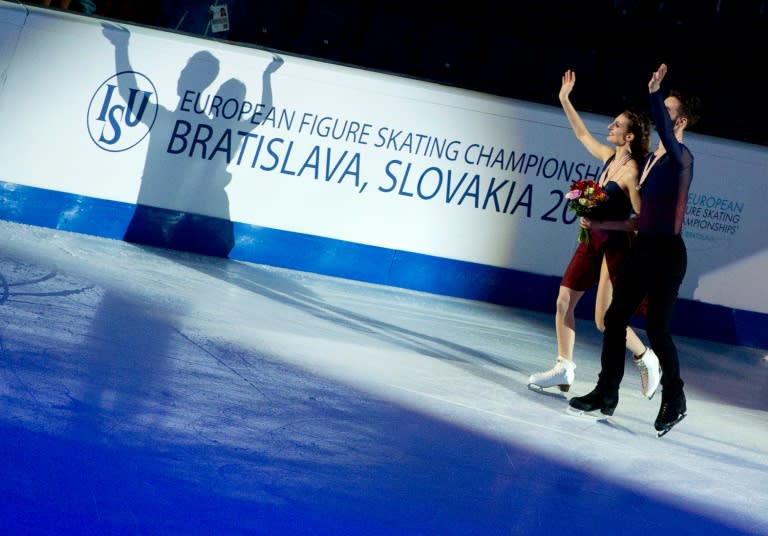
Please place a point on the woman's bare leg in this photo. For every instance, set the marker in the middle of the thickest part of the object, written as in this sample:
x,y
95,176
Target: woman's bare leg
x,y
562,374
565,321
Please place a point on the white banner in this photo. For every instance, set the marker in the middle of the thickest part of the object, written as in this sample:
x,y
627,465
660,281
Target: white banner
x,y
144,116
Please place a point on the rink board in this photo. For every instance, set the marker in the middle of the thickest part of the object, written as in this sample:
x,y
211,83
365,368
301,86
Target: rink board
x,y
375,265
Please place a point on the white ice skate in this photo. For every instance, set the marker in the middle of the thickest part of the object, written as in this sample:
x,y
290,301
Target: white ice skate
x,y
561,376
650,373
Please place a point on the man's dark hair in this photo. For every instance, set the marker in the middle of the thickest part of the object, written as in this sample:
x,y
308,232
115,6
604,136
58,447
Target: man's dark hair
x,y
690,106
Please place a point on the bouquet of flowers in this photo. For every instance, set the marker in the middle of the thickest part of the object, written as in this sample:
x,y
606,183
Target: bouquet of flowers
x,y
583,197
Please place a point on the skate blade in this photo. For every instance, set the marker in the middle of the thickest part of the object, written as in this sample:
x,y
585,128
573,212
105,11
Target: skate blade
x,y
652,394
665,431
541,390
593,416
563,387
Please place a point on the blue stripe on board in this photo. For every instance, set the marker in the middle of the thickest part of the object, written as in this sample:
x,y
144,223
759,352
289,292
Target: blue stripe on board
x,y
338,258
65,211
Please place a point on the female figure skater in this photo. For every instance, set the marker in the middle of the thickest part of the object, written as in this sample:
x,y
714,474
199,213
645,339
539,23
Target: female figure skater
x,y
612,231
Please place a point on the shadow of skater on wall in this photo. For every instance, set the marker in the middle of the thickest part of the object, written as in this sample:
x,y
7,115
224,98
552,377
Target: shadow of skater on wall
x,y
182,202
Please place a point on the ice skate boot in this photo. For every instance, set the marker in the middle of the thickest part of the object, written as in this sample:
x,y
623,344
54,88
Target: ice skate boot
x,y
561,375
597,399
650,372
672,411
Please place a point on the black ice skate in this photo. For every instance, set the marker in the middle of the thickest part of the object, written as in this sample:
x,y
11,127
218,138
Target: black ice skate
x,y
593,401
672,411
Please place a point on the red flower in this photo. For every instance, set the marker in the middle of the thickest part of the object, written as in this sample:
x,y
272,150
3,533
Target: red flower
x,y
583,196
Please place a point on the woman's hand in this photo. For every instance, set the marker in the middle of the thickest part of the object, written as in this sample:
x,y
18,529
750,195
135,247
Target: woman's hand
x,y
586,223
569,80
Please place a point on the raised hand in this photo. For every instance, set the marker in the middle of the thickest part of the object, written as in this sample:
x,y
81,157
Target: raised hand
x,y
275,64
569,80
654,84
117,35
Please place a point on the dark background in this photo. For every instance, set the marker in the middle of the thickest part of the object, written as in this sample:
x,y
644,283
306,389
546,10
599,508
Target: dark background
x,y
716,49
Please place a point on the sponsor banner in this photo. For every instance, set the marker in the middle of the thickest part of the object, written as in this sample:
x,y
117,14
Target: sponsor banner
x,y
181,126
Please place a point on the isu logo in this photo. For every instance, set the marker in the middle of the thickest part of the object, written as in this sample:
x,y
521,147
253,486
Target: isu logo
x,y
122,111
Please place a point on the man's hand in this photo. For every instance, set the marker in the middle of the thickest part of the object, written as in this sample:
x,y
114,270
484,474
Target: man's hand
x,y
655,82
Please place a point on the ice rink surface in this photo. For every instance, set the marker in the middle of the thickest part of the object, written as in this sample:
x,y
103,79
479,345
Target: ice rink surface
x,y
153,392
